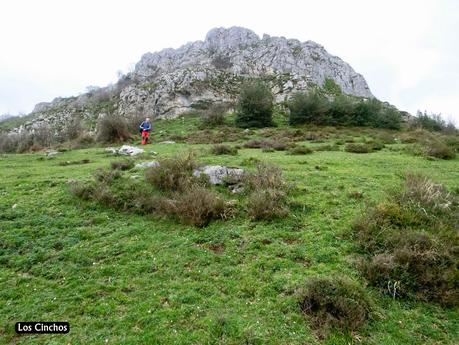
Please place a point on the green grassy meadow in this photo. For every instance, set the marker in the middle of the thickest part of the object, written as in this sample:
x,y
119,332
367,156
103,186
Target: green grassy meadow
x,y
123,278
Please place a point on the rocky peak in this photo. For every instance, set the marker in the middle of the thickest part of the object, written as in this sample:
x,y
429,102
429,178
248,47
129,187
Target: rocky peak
x,y
173,81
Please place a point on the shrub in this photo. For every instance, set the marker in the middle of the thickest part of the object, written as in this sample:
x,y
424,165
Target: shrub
x,y
223,150
300,150
265,177
268,198
266,144
341,110
83,140
106,176
365,112
307,108
215,115
430,122
335,302
331,87
198,206
358,148
388,117
112,129
327,147
71,130
172,174
267,204
8,142
409,242
254,106
122,165
439,150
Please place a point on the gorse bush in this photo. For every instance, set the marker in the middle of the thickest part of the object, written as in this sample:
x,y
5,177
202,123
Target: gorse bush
x,y
255,105
112,129
335,302
409,242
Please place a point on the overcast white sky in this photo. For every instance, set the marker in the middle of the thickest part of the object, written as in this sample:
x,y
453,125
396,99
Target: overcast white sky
x,y
408,51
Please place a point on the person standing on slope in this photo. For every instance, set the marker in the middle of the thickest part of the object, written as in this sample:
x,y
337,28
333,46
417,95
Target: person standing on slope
x,y
145,128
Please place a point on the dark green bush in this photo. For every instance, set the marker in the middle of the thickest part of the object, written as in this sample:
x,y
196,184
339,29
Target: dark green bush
x,y
255,105
308,108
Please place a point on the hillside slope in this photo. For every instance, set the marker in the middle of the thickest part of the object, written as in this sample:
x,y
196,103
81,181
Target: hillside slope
x,y
124,278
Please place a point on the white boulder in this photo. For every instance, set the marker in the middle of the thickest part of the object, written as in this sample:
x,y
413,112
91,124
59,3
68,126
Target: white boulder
x,y
219,174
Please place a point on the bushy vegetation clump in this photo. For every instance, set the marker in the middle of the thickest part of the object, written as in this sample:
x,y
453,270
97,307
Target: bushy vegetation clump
x,y
432,122
315,108
255,105
112,129
173,173
214,116
335,302
300,150
224,150
410,242
267,193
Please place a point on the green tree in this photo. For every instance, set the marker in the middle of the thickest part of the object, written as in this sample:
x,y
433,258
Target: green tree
x,y
255,105
308,108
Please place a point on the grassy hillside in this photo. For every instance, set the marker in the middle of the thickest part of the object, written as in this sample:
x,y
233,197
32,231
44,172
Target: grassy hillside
x,y
124,278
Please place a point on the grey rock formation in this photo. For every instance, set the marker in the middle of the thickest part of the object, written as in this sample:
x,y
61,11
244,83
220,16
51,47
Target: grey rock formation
x,y
170,82
218,174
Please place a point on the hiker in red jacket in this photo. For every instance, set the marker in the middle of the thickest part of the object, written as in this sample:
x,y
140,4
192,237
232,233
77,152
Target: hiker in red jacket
x,y
145,128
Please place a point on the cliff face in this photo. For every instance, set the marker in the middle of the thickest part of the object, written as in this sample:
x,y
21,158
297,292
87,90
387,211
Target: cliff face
x,y
167,83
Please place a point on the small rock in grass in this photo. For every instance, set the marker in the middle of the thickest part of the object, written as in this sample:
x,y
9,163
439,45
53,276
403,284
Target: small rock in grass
x,y
144,165
219,174
130,150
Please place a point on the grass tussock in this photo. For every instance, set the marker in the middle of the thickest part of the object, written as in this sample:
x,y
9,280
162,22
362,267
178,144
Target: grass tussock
x,y
223,150
335,302
268,198
409,242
